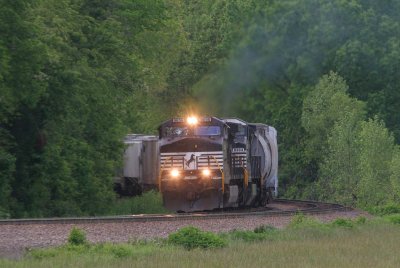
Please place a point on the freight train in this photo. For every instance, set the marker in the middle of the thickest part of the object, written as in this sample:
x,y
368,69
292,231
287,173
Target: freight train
x,y
205,163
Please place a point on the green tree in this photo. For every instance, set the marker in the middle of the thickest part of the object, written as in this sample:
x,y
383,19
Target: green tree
x,y
358,163
376,146
285,47
7,169
339,172
74,69
331,119
395,176
22,84
327,104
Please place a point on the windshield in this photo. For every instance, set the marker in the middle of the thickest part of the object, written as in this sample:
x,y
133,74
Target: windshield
x,y
196,131
207,131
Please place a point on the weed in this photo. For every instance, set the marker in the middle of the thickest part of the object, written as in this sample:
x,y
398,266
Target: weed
x,y
77,237
77,249
40,254
301,221
247,236
360,220
264,229
149,202
191,237
393,218
343,223
385,210
116,250
260,233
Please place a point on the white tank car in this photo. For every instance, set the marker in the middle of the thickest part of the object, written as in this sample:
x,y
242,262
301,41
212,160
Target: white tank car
x,y
265,144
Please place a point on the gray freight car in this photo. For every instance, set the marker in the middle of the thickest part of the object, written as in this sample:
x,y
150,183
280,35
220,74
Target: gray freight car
x,y
141,165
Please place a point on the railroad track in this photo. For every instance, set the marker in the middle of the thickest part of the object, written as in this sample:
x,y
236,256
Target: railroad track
x,y
295,206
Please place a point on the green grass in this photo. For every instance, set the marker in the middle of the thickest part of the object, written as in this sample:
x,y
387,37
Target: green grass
x,y
385,210
394,218
148,203
364,244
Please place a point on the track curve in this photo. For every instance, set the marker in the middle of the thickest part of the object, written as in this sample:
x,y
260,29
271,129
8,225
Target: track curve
x,y
279,207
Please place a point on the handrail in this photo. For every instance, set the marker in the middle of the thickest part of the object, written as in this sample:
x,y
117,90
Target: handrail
x,y
171,157
245,174
222,174
161,170
159,175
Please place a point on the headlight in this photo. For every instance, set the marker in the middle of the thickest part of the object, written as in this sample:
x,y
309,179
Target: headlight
x,y
192,120
174,173
206,172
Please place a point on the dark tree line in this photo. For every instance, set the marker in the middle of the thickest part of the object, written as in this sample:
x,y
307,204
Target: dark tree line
x,y
76,75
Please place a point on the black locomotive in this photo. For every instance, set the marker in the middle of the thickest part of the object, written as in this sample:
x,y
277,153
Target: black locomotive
x,y
208,163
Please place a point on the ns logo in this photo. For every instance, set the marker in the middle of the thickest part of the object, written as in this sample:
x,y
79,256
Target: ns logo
x,y
190,161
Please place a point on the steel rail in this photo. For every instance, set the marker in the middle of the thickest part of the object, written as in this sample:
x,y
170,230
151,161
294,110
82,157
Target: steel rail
x,y
308,207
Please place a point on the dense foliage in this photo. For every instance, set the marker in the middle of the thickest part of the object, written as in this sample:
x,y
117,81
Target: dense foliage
x,y
73,79
337,134
76,75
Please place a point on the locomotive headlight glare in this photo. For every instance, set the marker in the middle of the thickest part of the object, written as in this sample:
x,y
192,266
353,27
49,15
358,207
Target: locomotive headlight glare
x,y
192,120
206,172
174,173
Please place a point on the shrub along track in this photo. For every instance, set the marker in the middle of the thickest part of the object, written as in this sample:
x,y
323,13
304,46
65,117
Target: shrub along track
x,y
19,235
279,207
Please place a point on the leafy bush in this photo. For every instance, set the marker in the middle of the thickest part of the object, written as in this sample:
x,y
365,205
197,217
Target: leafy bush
x,y
77,237
264,229
393,218
385,210
343,223
121,251
191,237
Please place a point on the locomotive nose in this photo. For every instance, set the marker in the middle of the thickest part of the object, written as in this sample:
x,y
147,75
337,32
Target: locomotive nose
x,y
192,196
